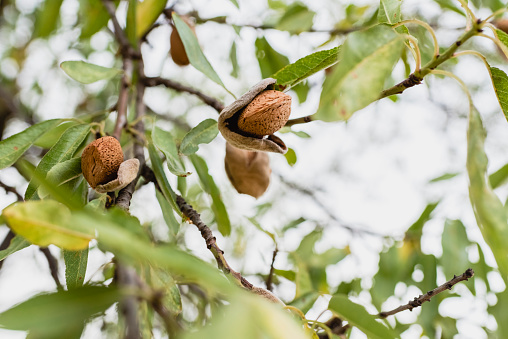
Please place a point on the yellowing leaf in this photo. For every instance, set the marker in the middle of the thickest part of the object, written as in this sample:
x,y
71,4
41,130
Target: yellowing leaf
x,y
46,222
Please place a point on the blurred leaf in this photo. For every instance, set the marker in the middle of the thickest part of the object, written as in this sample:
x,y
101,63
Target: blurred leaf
x,y
488,209
194,52
303,280
454,259
500,82
130,26
93,16
389,11
449,4
297,19
415,230
75,267
259,227
235,2
16,145
503,38
218,207
48,139
357,316
165,142
158,170
46,222
17,243
62,151
203,133
301,134
499,177
290,157
87,73
62,173
147,13
168,215
270,61
288,274
47,19
367,59
444,177
292,224
305,302
164,282
56,315
302,91
233,57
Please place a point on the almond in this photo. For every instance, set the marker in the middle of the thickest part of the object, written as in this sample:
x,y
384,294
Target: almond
x,y
249,172
267,113
101,160
177,49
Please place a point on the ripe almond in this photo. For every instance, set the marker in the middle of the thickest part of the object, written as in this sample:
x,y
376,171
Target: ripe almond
x,y
502,25
249,172
177,49
265,114
101,160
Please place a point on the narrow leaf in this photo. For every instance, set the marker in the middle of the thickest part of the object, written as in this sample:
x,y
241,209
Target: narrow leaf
x,y
87,73
58,314
44,223
488,209
367,59
297,19
146,13
303,68
357,316
48,139
203,133
500,82
503,38
218,207
165,142
291,157
93,16
389,11
270,61
499,177
75,267
158,170
168,215
47,19
63,150
194,52
14,146
17,243
446,176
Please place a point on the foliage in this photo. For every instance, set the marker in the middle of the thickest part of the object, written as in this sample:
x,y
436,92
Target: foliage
x,y
162,282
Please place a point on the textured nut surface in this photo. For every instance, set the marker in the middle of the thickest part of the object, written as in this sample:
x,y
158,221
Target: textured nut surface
x,y
266,113
127,172
249,172
177,49
101,160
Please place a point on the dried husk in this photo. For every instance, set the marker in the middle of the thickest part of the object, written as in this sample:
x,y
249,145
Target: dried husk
x,y
127,172
228,124
248,171
177,49
101,160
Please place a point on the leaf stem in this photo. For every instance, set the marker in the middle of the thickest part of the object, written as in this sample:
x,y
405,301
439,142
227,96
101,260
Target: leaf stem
x,y
424,25
417,55
468,10
496,13
462,84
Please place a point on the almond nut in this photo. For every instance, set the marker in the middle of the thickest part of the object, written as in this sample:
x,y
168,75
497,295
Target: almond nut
x,y
267,113
177,49
249,172
101,160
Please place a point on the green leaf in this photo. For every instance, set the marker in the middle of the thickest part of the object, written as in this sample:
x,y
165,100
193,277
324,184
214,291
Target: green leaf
x,y
14,146
62,151
450,4
93,16
47,19
446,176
63,173
357,316
415,230
87,73
291,157
158,170
130,25
57,315
488,209
303,68
75,267
44,223
297,19
17,243
146,13
454,242
233,57
270,61
164,282
165,142
168,215
235,2
218,207
389,11
367,59
500,82
499,177
305,302
203,133
194,52
48,139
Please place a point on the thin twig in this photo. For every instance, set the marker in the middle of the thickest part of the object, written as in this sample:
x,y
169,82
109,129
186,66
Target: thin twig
x,y
123,98
5,243
157,81
418,301
10,189
302,120
269,279
53,266
210,240
126,48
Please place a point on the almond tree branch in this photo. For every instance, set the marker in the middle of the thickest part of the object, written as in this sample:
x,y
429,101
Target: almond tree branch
x,y
157,81
5,243
210,240
53,266
302,120
123,99
269,279
418,301
127,278
126,48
